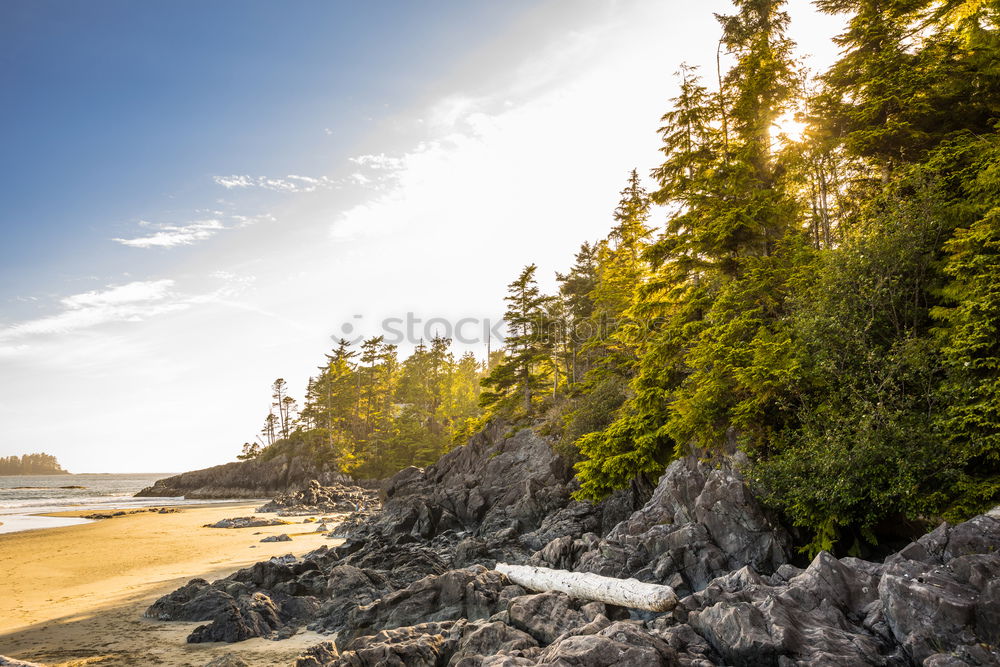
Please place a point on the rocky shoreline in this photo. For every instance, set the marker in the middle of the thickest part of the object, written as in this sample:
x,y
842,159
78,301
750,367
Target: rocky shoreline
x,y
414,582
244,479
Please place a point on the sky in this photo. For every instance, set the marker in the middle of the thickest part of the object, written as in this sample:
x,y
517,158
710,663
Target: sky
x,y
197,197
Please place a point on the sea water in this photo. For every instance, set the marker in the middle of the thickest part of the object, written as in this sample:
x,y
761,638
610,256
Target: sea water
x,y
24,497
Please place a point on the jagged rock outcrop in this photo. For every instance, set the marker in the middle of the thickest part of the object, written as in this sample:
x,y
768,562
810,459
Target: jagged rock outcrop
x,y
941,595
318,499
245,479
701,522
412,584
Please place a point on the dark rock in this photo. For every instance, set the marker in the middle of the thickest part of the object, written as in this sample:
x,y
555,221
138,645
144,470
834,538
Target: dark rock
x,y
324,653
601,650
424,645
401,564
409,586
472,594
247,522
277,538
255,478
250,616
195,601
487,638
546,616
940,593
815,618
435,643
700,522
486,486
318,499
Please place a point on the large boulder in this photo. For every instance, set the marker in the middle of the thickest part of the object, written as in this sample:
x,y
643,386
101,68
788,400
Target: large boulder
x,y
618,645
196,600
941,594
473,593
814,616
250,616
429,644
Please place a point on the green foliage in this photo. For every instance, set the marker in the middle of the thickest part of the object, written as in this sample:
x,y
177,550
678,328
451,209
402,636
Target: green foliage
x,y
369,414
251,450
832,307
594,410
970,342
514,384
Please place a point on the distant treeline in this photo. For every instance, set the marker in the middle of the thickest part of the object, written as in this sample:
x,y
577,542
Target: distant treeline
x,y
370,414
31,464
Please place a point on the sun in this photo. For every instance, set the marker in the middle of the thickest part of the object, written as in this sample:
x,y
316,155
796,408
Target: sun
x,y
788,129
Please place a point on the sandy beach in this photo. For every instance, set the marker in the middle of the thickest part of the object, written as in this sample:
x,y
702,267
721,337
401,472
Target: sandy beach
x,y
75,595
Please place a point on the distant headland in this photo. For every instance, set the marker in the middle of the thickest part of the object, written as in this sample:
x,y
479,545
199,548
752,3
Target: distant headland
x,y
31,464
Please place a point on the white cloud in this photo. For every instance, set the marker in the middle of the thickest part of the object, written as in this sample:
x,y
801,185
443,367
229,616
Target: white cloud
x,y
131,302
131,293
170,236
290,183
380,161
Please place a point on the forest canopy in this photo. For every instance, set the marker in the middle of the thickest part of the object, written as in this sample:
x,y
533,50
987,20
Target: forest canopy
x,y
823,307
369,414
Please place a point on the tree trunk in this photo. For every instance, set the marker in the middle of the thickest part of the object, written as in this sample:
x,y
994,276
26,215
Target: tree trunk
x,y
622,592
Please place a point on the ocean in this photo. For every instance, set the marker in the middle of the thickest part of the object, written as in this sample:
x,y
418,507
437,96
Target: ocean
x,y
22,498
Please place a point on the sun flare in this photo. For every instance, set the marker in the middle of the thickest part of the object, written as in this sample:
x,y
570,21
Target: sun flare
x,y
789,129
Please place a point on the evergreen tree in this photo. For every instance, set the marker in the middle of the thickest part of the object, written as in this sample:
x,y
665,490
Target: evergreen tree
x,y
622,271
970,342
515,382
576,294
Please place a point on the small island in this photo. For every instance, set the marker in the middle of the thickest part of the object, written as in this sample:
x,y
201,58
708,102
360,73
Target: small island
x,y
31,464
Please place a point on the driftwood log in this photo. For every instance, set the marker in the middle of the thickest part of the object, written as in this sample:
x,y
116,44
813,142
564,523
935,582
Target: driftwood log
x,y
622,592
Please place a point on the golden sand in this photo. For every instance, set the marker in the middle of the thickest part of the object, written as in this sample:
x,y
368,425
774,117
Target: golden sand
x,y
75,595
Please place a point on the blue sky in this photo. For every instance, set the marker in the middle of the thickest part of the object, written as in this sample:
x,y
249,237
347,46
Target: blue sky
x,y
197,195
112,108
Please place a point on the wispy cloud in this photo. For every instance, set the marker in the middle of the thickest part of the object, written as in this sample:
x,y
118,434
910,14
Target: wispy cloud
x,y
131,302
380,161
171,236
289,183
136,301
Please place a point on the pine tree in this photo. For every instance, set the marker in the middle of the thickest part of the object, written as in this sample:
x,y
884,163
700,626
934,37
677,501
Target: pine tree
x,y
516,381
722,259
576,293
622,270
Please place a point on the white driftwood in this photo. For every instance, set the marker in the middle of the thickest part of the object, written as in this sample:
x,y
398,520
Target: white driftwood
x,y
622,592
